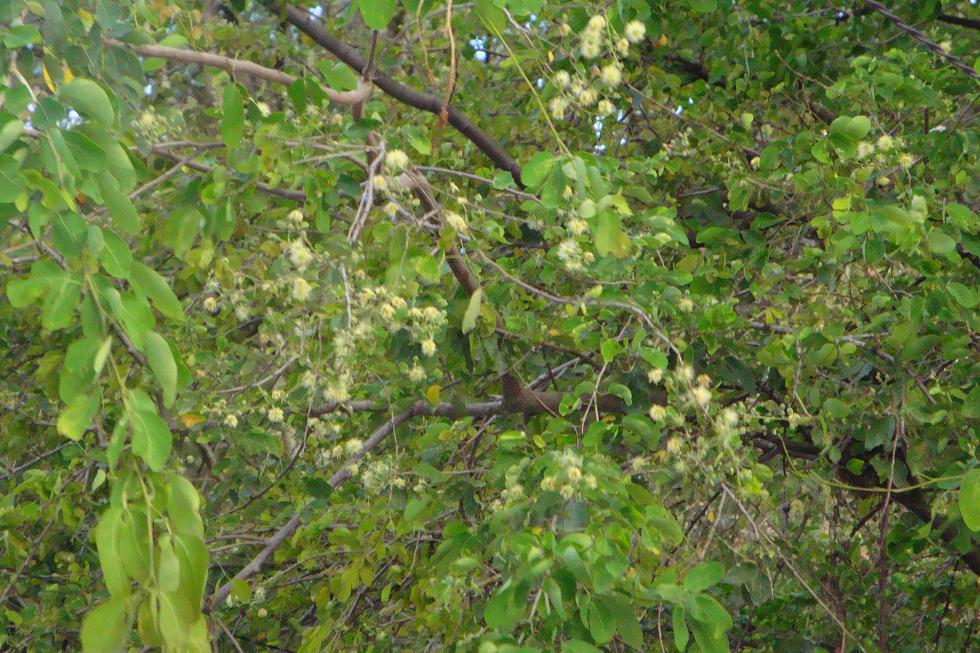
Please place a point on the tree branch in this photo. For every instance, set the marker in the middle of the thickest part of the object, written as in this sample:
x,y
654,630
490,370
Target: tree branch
x,y
959,20
239,67
527,402
301,20
923,39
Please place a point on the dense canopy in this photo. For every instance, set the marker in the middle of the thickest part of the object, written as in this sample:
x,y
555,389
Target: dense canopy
x,y
503,325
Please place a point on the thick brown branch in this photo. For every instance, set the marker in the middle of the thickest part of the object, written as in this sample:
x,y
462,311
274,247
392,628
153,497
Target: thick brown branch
x,y
916,501
913,499
302,20
959,20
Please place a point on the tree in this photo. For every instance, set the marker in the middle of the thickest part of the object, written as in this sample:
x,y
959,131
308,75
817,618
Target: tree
x,y
496,326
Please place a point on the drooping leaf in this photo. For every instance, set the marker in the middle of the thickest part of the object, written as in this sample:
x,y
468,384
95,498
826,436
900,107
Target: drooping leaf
x,y
151,285
472,311
105,628
232,116
152,440
89,99
161,361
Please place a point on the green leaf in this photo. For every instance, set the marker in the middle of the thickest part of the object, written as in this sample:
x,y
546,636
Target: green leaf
x,y
602,619
628,626
106,542
77,416
506,608
17,37
654,357
161,361
183,506
940,242
491,15
133,543
11,130
134,313
59,305
681,635
703,576
836,408
414,509
151,285
89,99
69,234
852,129
24,292
115,256
553,590
377,13
610,348
644,427
578,646
419,141
232,116
709,639
151,438
168,565
609,235
116,160
176,618
241,590
879,432
339,76
117,442
963,294
182,229
713,613
193,556
536,170
971,406
503,180
970,499
122,210
472,311
297,95
106,628
54,26
703,6
11,181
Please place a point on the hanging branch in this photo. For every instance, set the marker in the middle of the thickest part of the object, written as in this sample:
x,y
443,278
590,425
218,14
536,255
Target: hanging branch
x,y
923,39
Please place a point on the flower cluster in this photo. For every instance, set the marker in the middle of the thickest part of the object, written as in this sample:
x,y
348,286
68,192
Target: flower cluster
x,y
426,323
380,474
596,40
570,253
396,161
154,126
568,477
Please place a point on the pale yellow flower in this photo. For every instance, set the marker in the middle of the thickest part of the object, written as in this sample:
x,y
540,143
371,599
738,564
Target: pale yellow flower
x,y
634,31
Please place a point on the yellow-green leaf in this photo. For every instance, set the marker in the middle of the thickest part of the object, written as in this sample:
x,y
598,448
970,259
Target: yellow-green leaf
x,y
105,629
472,311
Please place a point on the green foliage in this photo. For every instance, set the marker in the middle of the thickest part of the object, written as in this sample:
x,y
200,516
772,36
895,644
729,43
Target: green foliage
x,y
636,326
